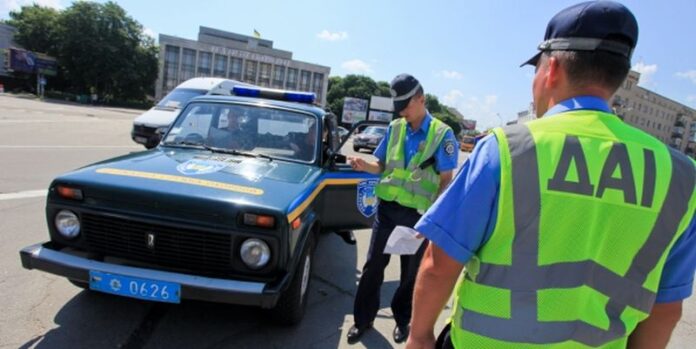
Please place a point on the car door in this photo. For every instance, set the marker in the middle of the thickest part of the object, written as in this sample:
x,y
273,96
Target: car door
x,y
348,199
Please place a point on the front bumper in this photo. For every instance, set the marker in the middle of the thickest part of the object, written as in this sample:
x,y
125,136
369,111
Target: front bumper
x,y
144,135
366,144
44,257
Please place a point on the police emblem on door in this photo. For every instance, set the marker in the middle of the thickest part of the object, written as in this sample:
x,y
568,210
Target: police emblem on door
x,y
150,241
367,198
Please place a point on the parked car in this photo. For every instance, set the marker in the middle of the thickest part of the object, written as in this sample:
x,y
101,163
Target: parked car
x,y
224,209
149,126
369,139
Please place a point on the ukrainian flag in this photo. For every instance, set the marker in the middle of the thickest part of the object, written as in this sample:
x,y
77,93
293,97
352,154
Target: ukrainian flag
x,y
257,34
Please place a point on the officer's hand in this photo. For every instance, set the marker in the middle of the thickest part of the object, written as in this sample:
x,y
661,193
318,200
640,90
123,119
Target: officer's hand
x,y
358,164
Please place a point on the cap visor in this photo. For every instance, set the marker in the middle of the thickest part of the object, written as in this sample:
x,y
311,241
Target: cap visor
x,y
532,61
400,105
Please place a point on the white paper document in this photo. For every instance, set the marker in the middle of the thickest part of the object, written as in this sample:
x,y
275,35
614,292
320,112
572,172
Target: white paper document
x,y
403,240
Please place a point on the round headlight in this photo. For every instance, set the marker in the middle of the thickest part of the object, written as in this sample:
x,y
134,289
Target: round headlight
x,y
255,253
68,224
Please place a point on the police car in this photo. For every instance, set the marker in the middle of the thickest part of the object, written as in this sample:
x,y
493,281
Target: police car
x,y
227,208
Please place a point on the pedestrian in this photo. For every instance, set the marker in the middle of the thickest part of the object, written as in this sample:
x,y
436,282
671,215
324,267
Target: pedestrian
x,y
577,230
415,159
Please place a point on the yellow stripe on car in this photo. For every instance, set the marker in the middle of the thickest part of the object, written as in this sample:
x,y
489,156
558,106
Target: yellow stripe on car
x,y
182,179
296,212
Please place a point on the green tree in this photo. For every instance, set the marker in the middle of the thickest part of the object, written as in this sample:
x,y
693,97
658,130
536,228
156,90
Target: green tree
x,y
102,47
37,28
356,86
433,104
442,112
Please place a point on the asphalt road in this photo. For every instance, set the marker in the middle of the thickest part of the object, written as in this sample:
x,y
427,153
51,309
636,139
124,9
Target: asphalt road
x,y
40,140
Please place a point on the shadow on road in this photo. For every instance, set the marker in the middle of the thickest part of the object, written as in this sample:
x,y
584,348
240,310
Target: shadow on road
x,y
94,320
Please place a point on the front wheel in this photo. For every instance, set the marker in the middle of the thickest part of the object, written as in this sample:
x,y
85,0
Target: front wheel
x,y
292,303
356,149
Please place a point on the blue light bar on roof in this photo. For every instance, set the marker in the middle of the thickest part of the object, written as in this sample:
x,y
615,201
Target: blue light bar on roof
x,y
281,95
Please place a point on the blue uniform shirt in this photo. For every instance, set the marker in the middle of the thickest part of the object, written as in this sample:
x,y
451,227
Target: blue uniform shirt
x,y
444,160
463,217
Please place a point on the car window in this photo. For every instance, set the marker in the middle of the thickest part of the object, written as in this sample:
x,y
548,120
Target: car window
x,y
179,97
274,132
373,130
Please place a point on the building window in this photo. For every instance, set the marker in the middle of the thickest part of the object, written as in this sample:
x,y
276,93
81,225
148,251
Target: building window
x,y
305,77
278,76
220,66
318,85
659,127
265,75
250,71
291,84
171,68
188,64
235,69
204,63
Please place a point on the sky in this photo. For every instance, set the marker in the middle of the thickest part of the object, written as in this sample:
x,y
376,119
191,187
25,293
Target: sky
x,y
466,52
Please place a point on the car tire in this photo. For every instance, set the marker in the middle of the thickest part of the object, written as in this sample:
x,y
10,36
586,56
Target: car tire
x,y
80,284
356,149
293,302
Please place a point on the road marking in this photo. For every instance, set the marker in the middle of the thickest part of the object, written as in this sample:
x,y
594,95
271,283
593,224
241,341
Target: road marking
x,y
49,147
23,194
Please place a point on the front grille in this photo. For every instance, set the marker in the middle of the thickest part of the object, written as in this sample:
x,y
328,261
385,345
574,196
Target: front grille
x,y
200,252
143,129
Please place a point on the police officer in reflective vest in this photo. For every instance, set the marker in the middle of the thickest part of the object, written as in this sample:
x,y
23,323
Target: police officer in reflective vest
x,y
415,159
577,229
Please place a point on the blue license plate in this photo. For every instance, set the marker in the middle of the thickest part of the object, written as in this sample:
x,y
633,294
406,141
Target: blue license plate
x,y
151,290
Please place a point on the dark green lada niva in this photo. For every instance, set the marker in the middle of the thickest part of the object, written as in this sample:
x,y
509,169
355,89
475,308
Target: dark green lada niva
x,y
226,209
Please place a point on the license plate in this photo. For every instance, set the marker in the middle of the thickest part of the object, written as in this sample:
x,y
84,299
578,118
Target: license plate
x,y
151,290
141,139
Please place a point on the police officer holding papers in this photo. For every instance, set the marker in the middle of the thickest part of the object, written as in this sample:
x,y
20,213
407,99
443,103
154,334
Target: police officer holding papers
x,y
415,159
576,229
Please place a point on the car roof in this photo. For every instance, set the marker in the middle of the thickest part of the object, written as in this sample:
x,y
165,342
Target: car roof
x,y
262,101
201,83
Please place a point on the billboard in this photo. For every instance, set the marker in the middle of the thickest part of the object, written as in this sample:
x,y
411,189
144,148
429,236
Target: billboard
x,y
32,62
376,115
382,103
354,110
468,124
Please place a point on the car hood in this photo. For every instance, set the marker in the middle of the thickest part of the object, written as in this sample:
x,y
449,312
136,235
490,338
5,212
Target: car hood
x,y
157,117
193,184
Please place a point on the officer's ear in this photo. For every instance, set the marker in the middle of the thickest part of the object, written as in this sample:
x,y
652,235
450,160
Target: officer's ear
x,y
555,73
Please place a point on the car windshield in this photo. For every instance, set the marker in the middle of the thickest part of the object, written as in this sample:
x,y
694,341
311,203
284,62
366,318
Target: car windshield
x,y
373,130
179,97
250,130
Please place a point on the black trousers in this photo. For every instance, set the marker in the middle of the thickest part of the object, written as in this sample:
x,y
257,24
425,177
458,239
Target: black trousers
x,y
389,215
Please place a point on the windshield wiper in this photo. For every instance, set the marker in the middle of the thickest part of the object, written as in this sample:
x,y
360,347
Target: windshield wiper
x,y
248,154
188,144
221,150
